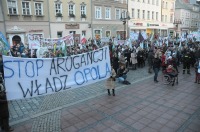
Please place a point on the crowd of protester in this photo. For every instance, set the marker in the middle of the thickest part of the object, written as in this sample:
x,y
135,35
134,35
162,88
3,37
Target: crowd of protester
x,y
123,58
128,57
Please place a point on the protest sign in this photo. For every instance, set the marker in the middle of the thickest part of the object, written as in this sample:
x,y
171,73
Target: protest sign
x,y
34,41
4,46
105,39
134,35
32,77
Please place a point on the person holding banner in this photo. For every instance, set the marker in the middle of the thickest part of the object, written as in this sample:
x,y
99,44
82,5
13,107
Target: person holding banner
x,y
110,83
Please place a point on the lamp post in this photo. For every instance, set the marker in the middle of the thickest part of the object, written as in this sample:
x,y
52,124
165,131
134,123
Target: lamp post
x,y
124,18
177,22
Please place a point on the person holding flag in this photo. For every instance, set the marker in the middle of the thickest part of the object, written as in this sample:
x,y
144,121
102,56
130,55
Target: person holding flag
x,y
5,47
83,39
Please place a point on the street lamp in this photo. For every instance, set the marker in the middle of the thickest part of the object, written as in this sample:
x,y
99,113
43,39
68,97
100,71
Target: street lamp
x,y
177,22
125,17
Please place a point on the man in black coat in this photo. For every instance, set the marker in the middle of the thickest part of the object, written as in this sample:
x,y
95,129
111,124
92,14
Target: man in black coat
x,y
4,112
186,62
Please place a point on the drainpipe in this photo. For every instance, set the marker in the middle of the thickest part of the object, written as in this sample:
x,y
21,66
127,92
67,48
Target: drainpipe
x,y
91,18
3,18
49,19
127,36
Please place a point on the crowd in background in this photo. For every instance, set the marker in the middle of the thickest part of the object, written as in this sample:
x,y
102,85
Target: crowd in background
x,y
127,57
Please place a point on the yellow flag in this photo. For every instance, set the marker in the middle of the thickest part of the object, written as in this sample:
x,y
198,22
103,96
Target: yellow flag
x,y
54,48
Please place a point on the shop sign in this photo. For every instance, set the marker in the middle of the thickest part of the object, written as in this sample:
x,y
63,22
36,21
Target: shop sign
x,y
35,30
153,25
138,24
164,25
72,26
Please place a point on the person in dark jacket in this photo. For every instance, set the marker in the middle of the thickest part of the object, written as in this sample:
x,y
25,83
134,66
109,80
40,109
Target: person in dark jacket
x,y
150,60
156,67
186,63
115,62
4,113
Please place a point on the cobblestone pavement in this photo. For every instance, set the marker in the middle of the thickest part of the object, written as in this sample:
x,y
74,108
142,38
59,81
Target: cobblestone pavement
x,y
141,106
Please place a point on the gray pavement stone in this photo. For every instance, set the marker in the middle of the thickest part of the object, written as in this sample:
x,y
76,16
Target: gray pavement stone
x,y
47,123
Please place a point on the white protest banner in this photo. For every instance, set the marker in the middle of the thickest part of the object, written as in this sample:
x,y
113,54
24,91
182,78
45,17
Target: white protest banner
x,y
32,77
144,35
134,35
105,39
49,42
34,40
120,42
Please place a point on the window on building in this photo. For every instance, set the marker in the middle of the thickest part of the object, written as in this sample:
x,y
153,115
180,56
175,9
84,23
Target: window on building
x,y
143,1
152,15
163,4
165,18
117,13
138,13
157,16
133,13
153,2
157,2
83,9
138,0
166,5
71,9
123,13
84,32
97,34
98,12
26,8
38,8
59,34
12,7
58,8
108,33
143,14
171,18
148,15
73,32
148,1
107,13
172,6
162,18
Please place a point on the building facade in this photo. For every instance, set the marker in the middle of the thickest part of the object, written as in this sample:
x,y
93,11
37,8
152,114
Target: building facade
x,y
23,17
188,13
145,16
106,16
152,16
57,18
167,18
2,22
68,16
